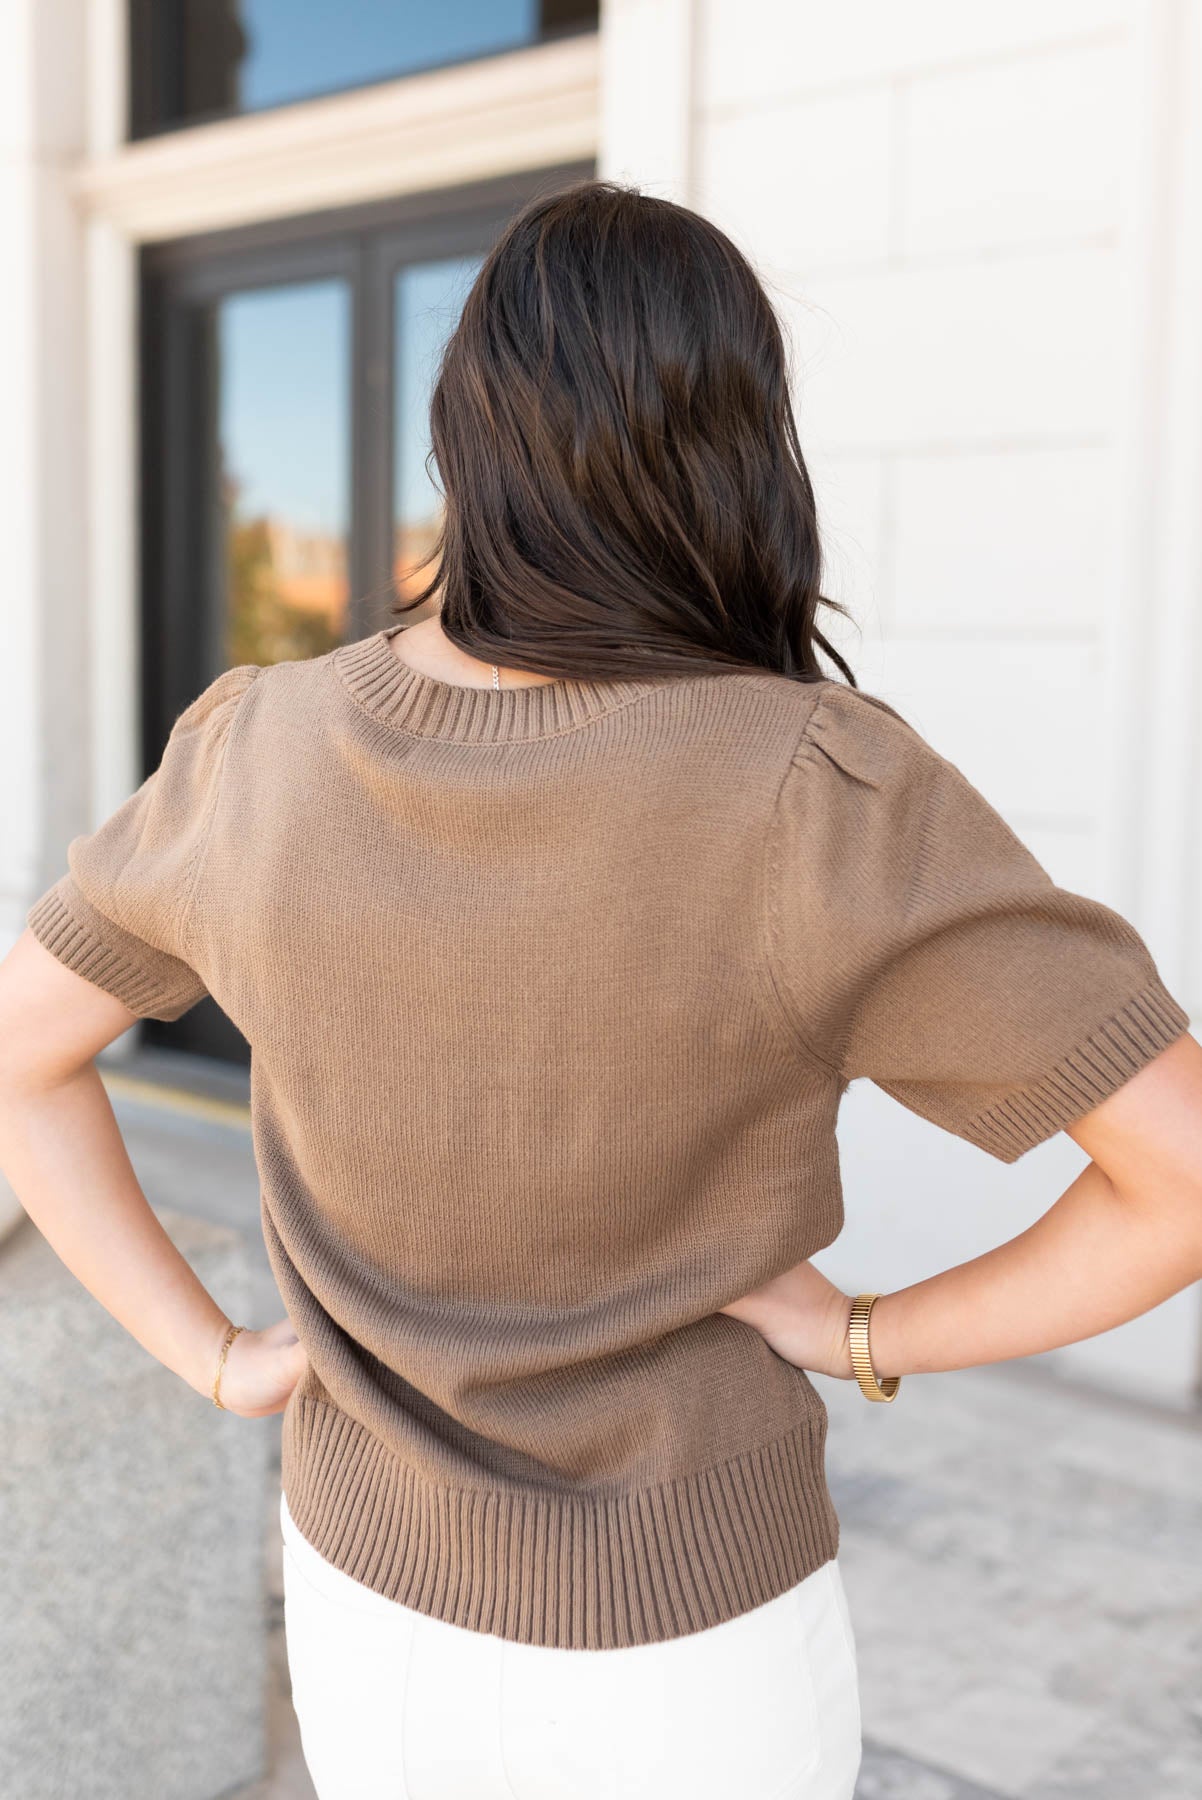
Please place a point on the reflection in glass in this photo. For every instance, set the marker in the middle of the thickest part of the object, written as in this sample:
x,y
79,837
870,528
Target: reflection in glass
x,y
283,453
198,59
429,299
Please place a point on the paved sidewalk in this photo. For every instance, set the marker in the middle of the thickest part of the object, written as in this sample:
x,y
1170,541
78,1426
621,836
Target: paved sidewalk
x,y
1023,1560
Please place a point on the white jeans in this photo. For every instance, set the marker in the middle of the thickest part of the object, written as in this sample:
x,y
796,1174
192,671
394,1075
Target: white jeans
x,y
394,1705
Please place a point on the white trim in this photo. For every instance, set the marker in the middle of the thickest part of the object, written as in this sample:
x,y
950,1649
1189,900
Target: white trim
x,y
1155,641
112,512
526,109
107,40
1173,815
1127,675
1154,674
648,82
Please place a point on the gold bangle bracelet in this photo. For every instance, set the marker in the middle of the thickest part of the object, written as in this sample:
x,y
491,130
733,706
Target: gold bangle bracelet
x,y
230,1335
861,1361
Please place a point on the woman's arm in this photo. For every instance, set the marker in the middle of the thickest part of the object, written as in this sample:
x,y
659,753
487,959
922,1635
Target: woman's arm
x,y
62,1151
1123,1237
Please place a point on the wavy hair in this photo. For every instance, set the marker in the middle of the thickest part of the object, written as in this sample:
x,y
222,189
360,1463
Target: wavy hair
x,y
624,487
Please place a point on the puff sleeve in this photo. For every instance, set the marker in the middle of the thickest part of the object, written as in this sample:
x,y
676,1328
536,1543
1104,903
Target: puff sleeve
x,y
119,914
916,941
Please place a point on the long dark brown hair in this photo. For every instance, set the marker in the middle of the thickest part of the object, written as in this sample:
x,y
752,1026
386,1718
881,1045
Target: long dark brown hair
x,y
624,487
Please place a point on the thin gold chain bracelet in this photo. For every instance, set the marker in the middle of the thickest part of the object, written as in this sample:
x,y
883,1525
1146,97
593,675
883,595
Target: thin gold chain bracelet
x,y
861,1361
230,1335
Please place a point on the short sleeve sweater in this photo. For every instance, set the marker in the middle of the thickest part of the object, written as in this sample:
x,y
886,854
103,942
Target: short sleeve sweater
x,y
552,994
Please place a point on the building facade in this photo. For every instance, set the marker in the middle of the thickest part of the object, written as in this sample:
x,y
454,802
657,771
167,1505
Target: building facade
x,y
239,232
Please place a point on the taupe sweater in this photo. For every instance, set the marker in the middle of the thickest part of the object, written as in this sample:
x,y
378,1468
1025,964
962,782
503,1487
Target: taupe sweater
x,y
553,993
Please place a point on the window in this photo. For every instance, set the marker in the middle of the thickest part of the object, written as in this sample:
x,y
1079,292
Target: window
x,y
196,60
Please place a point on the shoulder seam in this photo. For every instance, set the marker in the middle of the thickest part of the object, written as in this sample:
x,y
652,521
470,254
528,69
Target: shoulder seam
x,y
192,877
803,752
805,740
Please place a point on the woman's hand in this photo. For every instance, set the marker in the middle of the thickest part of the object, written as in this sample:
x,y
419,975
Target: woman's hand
x,y
803,1317
261,1369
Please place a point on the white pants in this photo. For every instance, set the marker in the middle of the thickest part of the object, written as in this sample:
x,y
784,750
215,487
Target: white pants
x,y
394,1705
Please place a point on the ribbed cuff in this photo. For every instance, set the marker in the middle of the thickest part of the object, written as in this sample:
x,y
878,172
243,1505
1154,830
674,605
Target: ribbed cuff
x,y
1119,1047
149,982
571,1571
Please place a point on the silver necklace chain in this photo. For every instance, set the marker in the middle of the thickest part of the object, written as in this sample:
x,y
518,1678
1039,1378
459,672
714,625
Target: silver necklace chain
x,y
496,676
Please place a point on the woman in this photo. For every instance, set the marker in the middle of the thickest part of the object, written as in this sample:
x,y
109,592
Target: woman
x,y
558,924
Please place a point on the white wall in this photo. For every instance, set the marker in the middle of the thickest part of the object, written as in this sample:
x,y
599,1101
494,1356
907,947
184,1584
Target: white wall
x,y
954,208
43,679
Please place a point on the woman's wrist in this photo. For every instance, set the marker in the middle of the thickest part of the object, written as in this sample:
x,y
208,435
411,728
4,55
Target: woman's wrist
x,y
841,1363
202,1368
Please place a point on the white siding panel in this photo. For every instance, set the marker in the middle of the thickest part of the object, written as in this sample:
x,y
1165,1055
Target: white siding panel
x,y
753,48
848,491
1011,540
970,354
801,185
1017,152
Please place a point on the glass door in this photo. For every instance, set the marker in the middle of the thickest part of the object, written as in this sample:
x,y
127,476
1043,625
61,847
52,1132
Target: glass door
x,y
427,301
281,444
288,489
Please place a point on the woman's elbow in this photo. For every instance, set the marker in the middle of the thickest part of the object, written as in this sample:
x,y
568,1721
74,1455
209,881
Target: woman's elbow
x,y
52,1020
1146,1137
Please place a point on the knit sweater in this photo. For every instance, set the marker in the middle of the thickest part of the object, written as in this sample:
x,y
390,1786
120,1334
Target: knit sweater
x,y
552,994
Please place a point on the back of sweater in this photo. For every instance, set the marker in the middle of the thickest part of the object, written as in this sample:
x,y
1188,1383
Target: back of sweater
x,y
552,995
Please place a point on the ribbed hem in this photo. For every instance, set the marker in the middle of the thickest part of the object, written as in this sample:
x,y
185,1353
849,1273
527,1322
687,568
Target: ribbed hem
x,y
149,982
1150,1021
562,1570
409,701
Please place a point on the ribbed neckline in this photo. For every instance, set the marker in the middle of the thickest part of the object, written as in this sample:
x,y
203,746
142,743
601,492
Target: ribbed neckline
x,y
409,701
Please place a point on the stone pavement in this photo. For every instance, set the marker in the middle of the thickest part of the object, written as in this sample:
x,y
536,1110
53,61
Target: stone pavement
x,y
1023,1563
1022,1558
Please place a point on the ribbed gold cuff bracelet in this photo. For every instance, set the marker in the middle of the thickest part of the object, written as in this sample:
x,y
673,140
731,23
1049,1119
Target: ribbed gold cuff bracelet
x,y
861,1361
